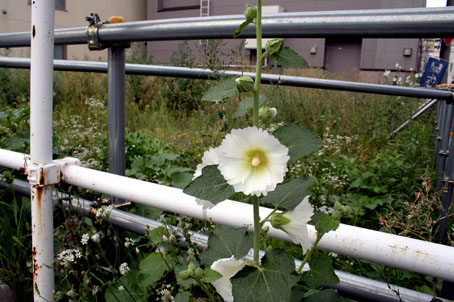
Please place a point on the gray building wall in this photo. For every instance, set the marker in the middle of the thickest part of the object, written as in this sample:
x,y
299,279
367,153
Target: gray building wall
x,y
338,56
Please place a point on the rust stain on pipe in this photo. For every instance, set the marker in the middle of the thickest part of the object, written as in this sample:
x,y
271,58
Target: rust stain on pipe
x,y
35,267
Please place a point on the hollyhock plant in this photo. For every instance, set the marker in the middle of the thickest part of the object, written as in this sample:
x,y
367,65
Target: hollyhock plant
x,y
252,161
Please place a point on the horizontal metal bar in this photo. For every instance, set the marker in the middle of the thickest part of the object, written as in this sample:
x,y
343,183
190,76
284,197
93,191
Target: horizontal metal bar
x,y
379,23
199,73
352,285
414,255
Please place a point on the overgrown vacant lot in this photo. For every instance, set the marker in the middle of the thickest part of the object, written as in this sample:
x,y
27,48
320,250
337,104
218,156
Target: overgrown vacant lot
x,y
387,181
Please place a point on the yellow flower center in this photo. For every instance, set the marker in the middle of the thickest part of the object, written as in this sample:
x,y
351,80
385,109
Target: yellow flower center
x,y
257,158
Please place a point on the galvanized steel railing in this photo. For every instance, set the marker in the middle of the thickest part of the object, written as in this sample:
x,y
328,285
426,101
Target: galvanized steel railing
x,y
424,257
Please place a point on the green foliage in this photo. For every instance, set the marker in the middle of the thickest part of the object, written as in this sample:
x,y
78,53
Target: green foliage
x,y
15,129
321,272
153,268
290,194
325,224
224,89
246,105
14,88
225,242
210,186
270,282
300,142
16,246
250,12
288,58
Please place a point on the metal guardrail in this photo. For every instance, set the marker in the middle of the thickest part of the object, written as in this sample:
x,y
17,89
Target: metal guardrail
x,y
380,23
199,73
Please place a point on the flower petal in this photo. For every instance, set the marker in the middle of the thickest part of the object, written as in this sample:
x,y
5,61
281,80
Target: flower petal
x,y
227,267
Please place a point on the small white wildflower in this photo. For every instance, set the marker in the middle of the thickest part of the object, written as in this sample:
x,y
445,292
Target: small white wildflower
x,y
85,238
68,256
96,238
124,268
121,288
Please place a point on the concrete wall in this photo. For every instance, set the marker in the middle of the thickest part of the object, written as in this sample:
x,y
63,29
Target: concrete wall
x,y
18,18
336,56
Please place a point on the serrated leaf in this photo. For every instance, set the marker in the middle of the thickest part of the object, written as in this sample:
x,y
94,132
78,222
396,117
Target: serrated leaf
x,y
225,242
210,186
272,282
290,194
247,104
222,90
129,291
321,272
153,268
326,224
210,275
299,141
288,58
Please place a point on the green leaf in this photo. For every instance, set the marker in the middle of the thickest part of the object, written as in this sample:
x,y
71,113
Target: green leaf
x,y
160,158
153,268
223,89
247,105
272,282
225,242
182,297
181,179
290,194
211,186
210,275
327,295
299,141
288,58
321,272
155,235
325,224
241,28
129,291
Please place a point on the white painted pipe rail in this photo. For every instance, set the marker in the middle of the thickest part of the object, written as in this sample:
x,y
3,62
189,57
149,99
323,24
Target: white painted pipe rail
x,y
422,257
41,97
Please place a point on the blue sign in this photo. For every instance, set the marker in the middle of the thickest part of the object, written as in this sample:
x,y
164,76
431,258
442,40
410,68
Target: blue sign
x,y
433,72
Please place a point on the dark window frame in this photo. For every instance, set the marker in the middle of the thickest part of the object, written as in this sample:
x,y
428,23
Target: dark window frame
x,y
162,8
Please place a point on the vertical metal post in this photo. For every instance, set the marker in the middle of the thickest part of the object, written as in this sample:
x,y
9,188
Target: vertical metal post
x,y
446,127
116,111
41,81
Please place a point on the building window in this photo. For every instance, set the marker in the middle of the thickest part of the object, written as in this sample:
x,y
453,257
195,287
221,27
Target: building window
x,y
60,52
168,5
59,4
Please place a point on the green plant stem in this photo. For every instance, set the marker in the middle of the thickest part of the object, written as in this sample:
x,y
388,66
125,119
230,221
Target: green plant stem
x,y
267,217
309,254
205,289
258,67
257,227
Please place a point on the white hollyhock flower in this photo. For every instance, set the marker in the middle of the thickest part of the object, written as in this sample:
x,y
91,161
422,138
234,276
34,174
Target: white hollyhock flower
x,y
294,223
227,267
252,161
210,157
